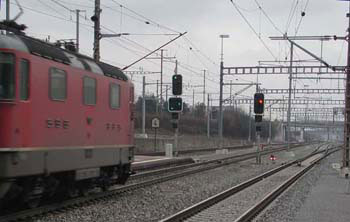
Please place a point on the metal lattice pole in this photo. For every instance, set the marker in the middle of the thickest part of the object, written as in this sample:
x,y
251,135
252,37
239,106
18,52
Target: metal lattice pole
x,y
347,107
289,95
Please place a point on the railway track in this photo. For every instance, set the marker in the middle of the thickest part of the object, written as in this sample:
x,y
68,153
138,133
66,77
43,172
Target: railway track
x,y
211,149
205,210
217,162
80,201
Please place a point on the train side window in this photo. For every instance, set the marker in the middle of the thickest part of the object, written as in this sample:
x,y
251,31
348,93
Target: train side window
x,y
89,91
7,76
58,84
114,96
24,79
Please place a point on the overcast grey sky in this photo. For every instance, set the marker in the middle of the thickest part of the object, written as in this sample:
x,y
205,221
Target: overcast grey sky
x,y
204,20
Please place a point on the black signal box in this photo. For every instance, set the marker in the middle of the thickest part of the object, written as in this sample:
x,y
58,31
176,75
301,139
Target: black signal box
x,y
259,103
175,104
177,85
258,128
258,118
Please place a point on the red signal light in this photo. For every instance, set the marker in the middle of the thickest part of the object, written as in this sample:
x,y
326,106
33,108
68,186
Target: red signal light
x,y
258,103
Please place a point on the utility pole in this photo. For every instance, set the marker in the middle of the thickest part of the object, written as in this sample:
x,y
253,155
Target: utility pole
x,y
157,100
250,124
143,105
8,10
220,103
221,115
204,86
161,79
77,27
161,74
270,128
193,101
290,94
208,117
231,93
347,106
166,92
176,135
97,29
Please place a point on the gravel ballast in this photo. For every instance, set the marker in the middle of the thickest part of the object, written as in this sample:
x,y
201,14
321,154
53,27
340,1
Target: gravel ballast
x,y
159,201
287,206
236,205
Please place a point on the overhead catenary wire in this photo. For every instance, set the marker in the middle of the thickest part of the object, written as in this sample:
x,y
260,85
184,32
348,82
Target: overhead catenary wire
x,y
301,18
254,31
291,14
51,8
145,18
87,26
268,17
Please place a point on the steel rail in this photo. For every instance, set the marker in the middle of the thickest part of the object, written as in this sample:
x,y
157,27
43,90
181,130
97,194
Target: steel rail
x,y
268,199
80,201
189,212
219,161
211,149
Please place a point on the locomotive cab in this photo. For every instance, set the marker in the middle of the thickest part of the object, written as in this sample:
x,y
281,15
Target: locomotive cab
x,y
7,76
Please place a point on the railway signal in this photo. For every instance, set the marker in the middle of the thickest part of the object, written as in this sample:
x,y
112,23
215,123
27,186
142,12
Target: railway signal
x,y
175,116
177,85
258,118
175,104
259,103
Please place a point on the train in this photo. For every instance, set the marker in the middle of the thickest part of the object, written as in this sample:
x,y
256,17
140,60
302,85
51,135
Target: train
x,y
66,122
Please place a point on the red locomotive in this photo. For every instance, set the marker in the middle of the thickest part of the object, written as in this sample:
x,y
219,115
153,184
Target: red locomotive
x,y
65,122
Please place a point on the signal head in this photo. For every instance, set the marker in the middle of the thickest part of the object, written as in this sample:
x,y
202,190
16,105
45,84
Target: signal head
x,y
258,103
177,85
175,104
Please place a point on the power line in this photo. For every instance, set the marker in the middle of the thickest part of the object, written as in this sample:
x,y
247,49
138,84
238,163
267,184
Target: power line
x,y
302,16
58,3
251,27
114,42
78,5
147,19
48,6
268,17
50,15
291,14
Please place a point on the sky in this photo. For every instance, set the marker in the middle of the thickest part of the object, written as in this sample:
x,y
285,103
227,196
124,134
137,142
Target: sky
x,y
151,23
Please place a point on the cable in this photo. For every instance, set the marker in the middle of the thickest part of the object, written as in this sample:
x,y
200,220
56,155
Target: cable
x,y
58,3
50,15
53,9
251,27
268,17
301,19
147,19
291,14
205,56
75,4
157,24
125,40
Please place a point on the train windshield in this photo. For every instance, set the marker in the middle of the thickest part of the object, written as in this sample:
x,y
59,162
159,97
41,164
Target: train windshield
x,y
7,76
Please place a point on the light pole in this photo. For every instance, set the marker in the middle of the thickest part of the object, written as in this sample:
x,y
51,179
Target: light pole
x,y
221,87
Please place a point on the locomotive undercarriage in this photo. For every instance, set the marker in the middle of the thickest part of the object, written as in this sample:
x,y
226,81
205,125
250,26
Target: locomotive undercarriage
x,y
29,177
31,191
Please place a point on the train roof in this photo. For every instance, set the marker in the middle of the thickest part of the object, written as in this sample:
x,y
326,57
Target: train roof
x,y
50,51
